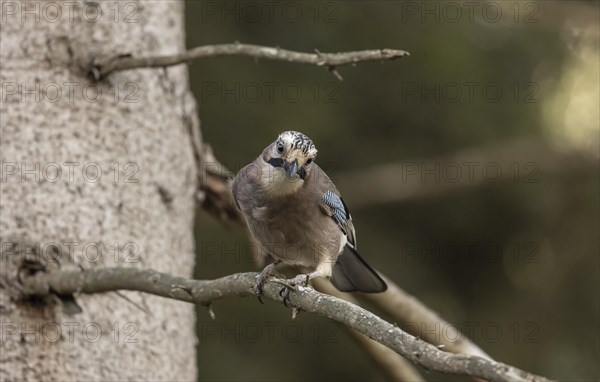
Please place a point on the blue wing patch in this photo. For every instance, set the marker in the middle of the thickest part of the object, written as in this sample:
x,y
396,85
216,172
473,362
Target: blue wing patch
x,y
341,215
338,209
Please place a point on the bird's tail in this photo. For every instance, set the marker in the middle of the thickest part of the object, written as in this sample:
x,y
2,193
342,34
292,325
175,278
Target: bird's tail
x,y
351,273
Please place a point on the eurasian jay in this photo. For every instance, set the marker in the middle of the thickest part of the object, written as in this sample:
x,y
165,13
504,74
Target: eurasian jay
x,y
297,216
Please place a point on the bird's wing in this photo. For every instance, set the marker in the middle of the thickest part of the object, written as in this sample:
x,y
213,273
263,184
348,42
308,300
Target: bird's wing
x,y
351,272
334,206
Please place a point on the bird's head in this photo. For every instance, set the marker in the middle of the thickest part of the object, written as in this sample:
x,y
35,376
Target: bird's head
x,y
291,155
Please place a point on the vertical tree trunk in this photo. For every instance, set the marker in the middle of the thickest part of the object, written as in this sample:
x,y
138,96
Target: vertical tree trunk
x,y
95,175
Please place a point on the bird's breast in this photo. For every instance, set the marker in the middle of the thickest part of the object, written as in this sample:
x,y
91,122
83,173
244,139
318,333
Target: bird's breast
x,y
296,232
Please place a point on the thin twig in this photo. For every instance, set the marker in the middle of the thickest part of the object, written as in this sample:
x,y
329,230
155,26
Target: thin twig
x,y
328,60
305,298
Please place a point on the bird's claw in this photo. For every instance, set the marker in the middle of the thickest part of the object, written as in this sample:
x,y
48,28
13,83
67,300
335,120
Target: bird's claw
x,y
260,290
289,285
284,293
261,279
259,295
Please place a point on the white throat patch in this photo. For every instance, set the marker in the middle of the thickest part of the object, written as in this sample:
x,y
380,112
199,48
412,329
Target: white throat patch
x,y
276,183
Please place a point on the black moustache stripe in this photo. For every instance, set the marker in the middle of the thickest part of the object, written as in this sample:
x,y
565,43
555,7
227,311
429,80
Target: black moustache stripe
x,y
302,173
278,162
275,162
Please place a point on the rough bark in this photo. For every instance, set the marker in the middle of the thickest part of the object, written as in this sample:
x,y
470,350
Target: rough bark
x,y
134,126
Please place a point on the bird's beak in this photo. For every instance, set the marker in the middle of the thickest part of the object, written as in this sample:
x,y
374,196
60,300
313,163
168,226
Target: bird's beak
x,y
291,168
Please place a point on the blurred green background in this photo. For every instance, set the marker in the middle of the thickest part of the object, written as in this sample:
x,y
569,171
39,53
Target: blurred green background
x,y
512,260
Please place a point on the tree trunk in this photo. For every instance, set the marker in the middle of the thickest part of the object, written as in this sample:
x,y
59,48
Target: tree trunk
x,y
95,175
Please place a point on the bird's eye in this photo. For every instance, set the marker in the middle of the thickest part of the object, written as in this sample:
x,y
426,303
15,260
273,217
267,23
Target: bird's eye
x,y
309,161
280,147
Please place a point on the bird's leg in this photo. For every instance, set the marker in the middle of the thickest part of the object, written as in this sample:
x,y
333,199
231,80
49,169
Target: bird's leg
x,y
263,276
302,279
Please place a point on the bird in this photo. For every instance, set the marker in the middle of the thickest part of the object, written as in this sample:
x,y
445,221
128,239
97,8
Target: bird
x,y
297,216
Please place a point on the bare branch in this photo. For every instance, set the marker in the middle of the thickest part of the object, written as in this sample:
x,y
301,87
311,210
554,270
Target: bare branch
x,y
214,185
327,60
413,316
392,364
305,298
